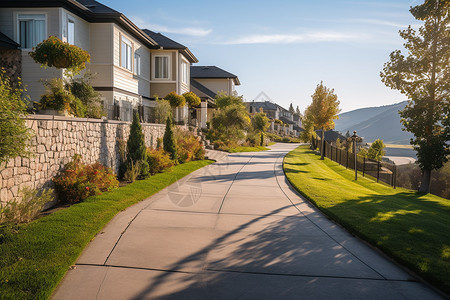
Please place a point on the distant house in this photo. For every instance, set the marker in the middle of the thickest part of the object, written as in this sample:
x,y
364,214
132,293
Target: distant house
x,y
213,79
331,135
276,113
207,82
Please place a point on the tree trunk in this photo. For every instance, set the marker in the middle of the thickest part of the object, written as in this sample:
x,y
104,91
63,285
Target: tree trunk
x,y
425,181
322,146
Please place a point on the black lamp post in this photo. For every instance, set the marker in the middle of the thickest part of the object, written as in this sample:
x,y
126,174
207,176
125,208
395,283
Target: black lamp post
x,y
355,138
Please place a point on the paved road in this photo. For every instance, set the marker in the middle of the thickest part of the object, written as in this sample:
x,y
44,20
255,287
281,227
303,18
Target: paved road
x,y
232,230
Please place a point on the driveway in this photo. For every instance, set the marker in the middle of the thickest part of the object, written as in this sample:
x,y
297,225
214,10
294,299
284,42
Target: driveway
x,y
233,230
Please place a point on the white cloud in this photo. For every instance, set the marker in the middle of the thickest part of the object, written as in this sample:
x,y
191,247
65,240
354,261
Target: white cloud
x,y
292,38
192,31
379,22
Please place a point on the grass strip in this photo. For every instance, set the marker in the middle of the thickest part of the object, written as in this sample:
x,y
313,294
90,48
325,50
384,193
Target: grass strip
x,y
34,257
248,149
411,227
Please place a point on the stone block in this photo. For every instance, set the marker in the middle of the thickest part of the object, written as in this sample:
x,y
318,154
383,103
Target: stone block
x,y
15,191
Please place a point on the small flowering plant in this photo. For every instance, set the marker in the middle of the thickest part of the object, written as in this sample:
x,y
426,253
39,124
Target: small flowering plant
x,y
78,180
53,52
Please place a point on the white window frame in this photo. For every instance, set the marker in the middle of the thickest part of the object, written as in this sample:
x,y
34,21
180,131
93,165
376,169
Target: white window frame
x,y
126,60
27,16
168,66
70,21
184,72
137,63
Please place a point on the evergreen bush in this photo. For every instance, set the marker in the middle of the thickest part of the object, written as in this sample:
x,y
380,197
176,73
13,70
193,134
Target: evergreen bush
x,y
136,150
169,140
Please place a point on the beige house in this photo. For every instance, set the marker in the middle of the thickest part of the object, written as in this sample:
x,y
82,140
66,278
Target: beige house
x,y
207,82
131,65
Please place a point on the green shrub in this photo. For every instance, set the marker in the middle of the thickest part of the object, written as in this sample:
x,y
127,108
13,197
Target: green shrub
x,y
162,111
133,171
14,133
188,146
158,160
83,90
78,180
136,150
175,100
192,99
24,211
59,97
169,140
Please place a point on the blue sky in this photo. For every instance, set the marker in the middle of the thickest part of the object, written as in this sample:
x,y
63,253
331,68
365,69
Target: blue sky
x,y
285,48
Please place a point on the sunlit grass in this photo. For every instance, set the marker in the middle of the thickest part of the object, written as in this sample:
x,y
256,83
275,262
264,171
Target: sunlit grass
x,y
411,227
34,257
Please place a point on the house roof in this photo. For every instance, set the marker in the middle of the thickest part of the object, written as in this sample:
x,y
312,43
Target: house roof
x,y
266,105
166,43
212,72
6,42
331,135
203,89
90,10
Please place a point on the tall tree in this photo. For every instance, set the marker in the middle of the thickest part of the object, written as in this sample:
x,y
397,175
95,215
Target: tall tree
x,y
291,109
260,123
423,76
297,111
323,111
136,150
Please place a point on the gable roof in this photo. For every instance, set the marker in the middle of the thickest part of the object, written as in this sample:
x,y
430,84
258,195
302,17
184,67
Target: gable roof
x,y
212,72
166,43
331,135
266,105
91,11
6,42
203,89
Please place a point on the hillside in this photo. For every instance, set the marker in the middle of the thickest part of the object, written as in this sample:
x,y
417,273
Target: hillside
x,y
375,122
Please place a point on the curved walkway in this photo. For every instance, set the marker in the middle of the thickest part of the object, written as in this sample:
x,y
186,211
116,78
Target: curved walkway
x,y
233,230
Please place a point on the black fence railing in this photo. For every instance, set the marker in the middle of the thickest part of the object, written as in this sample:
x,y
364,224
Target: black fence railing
x,y
405,176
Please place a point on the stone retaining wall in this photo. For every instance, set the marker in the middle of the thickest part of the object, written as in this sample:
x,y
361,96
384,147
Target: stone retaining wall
x,y
56,140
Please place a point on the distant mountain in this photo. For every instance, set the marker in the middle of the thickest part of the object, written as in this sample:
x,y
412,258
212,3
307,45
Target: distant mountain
x,y
373,123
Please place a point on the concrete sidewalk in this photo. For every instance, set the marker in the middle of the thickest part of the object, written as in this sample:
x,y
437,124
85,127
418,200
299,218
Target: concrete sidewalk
x,y
233,230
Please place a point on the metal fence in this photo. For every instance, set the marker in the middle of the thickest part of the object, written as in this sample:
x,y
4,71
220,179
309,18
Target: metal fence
x,y
405,176
381,171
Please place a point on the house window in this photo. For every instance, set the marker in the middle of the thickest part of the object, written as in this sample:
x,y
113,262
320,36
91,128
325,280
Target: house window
x,y
184,72
31,30
137,63
125,56
71,32
162,67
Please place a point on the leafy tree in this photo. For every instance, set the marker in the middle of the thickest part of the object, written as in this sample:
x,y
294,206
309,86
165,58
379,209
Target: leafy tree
x,y
175,100
260,123
163,110
136,150
291,109
14,133
423,76
169,140
323,110
308,127
229,122
224,100
192,99
376,150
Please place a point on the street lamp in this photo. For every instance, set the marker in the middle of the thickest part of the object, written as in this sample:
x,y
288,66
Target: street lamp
x,y
355,138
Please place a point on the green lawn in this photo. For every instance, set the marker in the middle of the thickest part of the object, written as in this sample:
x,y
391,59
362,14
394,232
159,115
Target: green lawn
x,y
247,149
412,228
34,257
